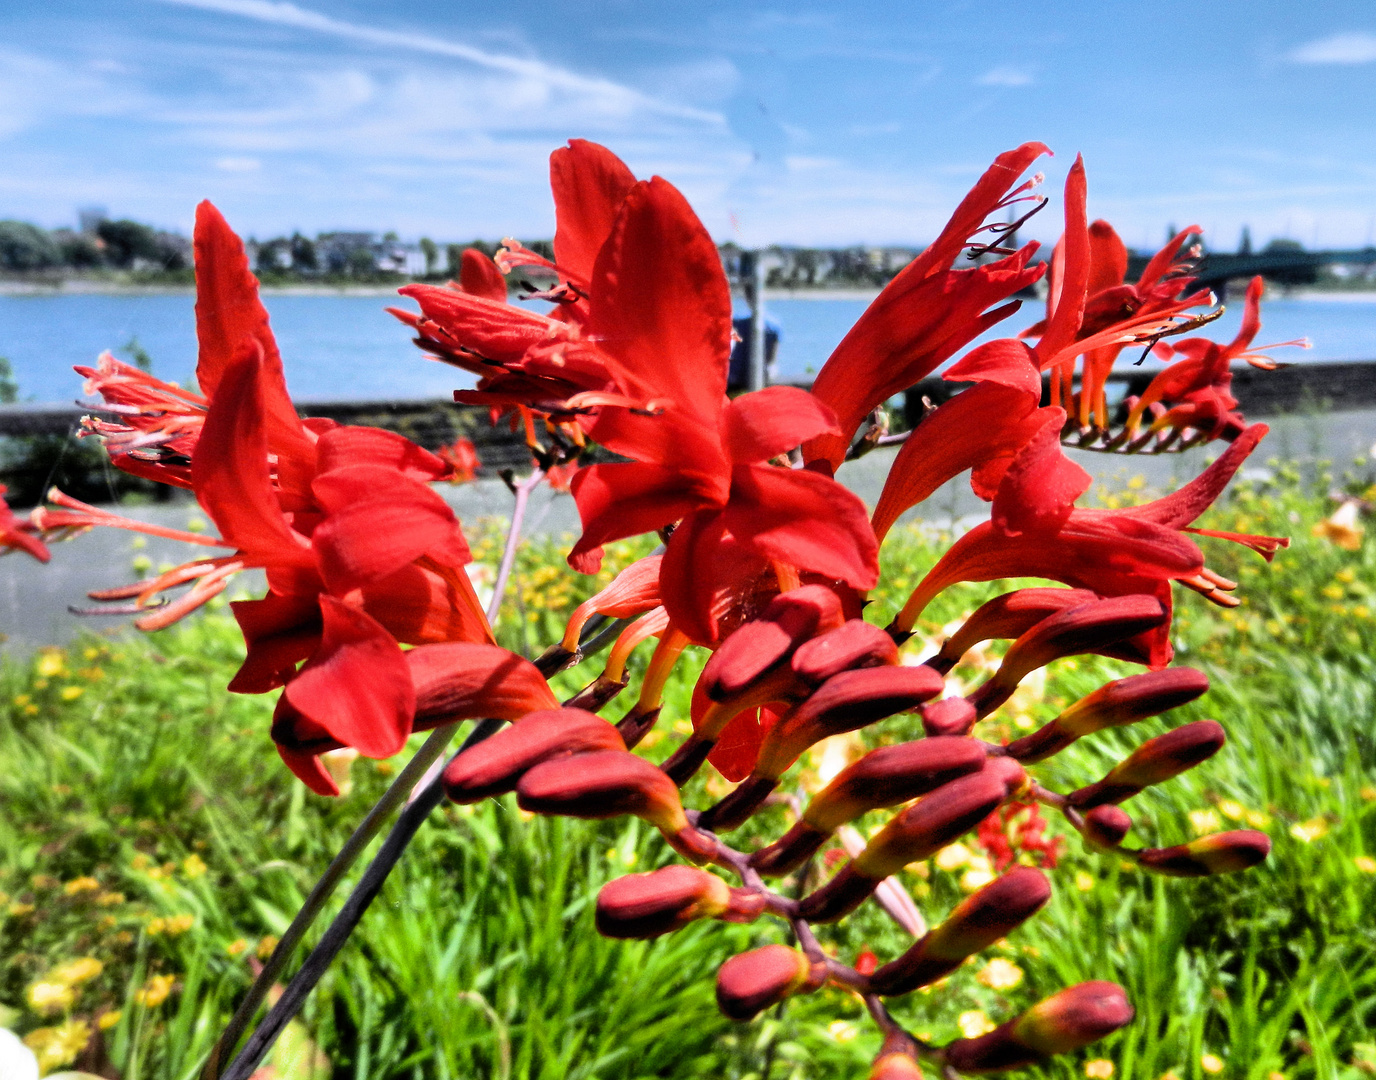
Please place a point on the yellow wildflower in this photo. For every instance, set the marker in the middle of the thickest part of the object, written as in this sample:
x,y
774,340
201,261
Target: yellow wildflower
x,y
1233,811
57,1046
1000,974
50,663
179,924
140,861
156,926
155,991
237,947
76,972
979,874
109,899
1343,529
109,1019
1204,821
80,885
1099,1069
1257,819
1083,881
266,946
973,1023
22,699
71,693
1333,592
1365,863
952,857
1211,1064
18,909
45,881
193,866
47,996
842,1030
1309,831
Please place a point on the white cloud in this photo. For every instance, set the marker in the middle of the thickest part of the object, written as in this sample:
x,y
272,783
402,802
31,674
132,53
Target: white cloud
x,y
612,95
1356,47
238,164
1005,76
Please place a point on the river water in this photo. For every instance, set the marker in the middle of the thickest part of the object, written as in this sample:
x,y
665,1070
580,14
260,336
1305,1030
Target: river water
x,y
344,346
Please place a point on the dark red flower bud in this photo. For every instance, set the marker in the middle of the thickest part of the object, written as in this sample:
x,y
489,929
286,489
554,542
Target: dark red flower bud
x,y
856,644
1008,616
1155,761
647,905
950,716
1013,775
978,921
1218,853
789,620
605,784
916,833
751,982
1086,628
1105,826
1123,701
1076,1017
494,766
843,703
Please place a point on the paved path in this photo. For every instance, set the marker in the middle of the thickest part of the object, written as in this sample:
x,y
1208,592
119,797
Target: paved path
x,y
34,598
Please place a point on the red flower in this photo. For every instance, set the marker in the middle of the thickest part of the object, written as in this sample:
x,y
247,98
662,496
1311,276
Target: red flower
x,y
16,535
462,458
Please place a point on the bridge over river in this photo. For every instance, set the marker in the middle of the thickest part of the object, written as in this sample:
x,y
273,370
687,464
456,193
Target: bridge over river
x,y
1285,266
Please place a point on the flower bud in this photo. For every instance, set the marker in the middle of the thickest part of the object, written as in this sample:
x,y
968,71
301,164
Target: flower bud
x,y
1105,826
856,644
1076,1017
1123,701
949,716
896,1066
789,620
604,784
647,905
977,922
916,833
631,592
751,982
1008,616
843,703
1218,853
1155,761
1087,628
494,766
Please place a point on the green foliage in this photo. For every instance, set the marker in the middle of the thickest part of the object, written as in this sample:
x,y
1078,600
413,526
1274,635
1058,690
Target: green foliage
x,y
26,247
149,825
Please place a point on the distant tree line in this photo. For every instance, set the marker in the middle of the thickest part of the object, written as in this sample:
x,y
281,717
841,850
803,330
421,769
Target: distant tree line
x,y
120,245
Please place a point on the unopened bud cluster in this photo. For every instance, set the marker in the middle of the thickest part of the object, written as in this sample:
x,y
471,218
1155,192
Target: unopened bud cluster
x,y
820,674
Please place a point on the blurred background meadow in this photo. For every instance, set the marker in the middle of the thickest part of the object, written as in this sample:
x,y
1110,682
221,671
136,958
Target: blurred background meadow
x,y
152,846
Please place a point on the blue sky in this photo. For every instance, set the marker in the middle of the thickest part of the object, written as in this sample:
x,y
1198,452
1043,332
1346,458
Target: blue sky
x,y
798,122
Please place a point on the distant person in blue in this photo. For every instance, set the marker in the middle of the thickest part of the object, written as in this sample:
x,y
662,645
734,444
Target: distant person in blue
x,y
738,376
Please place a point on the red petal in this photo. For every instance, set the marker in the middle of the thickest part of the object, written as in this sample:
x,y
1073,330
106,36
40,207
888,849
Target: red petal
x,y
463,680
280,631
309,770
688,576
1181,507
809,521
738,746
1006,361
427,602
357,685
665,325
343,446
229,470
616,501
1041,485
1108,257
986,421
773,421
479,276
1071,276
590,183
494,329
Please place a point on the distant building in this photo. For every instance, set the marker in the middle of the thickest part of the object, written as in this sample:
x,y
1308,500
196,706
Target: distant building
x,y
90,217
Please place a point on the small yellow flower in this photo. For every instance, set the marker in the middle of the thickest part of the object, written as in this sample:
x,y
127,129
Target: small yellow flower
x,y
1309,831
1257,819
109,899
973,1023
155,991
80,885
57,1046
237,947
978,876
141,861
1099,1069
193,866
124,937
1365,863
1000,974
1211,1064
106,922
1083,881
952,857
109,1019
842,1031
19,910
1233,811
22,699
50,663
384,768
45,881
76,972
71,693
156,926
266,946
47,996
179,924
1343,529
1333,592
1204,821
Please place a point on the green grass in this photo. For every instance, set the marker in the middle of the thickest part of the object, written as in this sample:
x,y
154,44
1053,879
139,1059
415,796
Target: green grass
x,y
126,762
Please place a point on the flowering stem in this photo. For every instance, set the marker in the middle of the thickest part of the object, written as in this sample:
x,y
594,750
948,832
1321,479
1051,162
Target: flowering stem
x,y
353,847
513,536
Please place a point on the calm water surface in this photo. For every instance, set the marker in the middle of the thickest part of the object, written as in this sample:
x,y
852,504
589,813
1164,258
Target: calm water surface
x,y
345,346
